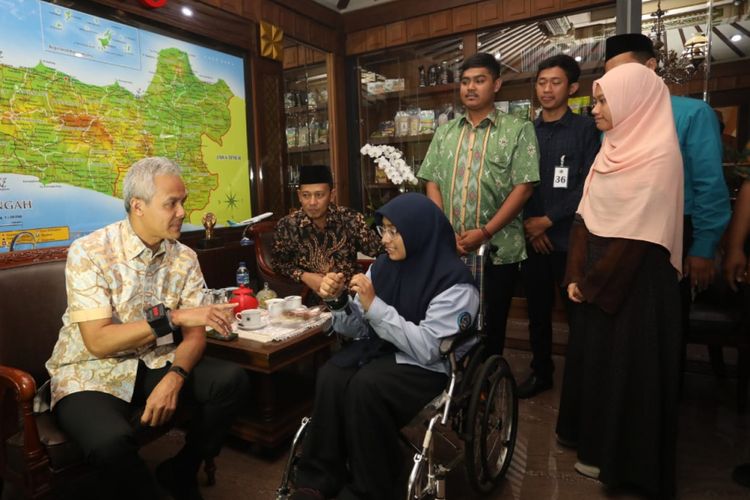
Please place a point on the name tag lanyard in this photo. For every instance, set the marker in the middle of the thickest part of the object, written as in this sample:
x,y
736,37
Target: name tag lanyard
x,y
561,175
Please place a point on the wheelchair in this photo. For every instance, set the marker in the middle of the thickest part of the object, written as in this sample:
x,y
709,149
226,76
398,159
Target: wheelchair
x,y
476,415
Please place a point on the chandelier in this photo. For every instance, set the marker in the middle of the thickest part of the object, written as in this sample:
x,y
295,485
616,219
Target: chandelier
x,y
671,66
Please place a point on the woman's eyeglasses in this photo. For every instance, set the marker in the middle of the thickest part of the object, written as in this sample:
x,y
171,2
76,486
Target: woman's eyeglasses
x,y
391,231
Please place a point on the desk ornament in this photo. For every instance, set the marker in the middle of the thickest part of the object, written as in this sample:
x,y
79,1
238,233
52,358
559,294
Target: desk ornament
x,y
210,241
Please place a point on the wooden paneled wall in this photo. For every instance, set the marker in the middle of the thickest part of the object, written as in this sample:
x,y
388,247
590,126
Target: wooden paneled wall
x,y
407,21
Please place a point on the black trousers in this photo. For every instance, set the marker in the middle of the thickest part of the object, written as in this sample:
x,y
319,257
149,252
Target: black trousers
x,y
542,275
101,423
500,282
356,419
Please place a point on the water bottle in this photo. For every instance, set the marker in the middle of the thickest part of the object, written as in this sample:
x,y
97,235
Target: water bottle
x,y
243,275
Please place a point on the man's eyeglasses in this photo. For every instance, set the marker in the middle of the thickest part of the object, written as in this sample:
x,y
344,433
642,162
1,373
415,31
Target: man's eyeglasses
x,y
391,231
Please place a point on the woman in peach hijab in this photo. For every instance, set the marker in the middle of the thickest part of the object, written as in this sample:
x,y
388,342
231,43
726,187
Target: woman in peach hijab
x,y
618,406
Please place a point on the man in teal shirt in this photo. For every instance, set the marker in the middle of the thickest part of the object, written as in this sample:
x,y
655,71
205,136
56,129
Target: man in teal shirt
x,y
480,169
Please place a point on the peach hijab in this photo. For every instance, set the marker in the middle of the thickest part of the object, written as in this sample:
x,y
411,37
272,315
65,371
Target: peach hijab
x,y
634,189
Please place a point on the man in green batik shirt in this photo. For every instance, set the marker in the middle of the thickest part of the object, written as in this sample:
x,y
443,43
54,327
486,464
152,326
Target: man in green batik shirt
x,y
480,169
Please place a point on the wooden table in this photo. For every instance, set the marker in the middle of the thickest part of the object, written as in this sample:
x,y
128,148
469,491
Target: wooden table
x,y
282,382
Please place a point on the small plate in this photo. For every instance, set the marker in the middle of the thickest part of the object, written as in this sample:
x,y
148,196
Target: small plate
x,y
250,328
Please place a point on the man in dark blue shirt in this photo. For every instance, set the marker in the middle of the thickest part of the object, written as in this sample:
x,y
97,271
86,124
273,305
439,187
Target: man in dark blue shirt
x,y
568,144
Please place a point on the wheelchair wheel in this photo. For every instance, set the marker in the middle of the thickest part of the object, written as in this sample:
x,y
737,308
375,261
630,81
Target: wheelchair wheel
x,y
492,423
475,358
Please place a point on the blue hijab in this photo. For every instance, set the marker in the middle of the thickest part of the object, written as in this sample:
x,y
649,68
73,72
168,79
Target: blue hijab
x,y
431,265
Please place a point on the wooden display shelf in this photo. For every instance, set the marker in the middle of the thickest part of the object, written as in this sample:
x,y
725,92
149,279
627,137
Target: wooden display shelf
x,y
414,92
310,149
298,110
401,139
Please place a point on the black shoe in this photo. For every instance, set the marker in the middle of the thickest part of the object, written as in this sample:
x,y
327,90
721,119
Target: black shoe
x,y
741,475
179,486
533,386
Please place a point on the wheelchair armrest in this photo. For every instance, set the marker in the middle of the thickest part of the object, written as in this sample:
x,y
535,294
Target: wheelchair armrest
x,y
21,386
450,344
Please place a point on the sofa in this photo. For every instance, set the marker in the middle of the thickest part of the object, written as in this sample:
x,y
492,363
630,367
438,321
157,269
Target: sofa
x,y
36,457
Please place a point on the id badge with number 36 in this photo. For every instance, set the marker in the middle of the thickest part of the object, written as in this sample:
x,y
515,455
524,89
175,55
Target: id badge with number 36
x,y
561,177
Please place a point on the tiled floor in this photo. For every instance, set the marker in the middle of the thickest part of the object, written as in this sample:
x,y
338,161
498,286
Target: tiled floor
x,y
712,439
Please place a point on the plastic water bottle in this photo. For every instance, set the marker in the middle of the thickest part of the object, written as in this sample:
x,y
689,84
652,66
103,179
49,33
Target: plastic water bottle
x,y
243,275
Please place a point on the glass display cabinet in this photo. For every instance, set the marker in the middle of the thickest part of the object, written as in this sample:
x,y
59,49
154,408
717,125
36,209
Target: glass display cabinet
x,y
306,110
406,92
404,95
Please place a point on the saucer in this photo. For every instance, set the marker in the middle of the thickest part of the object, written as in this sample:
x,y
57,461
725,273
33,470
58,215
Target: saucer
x,y
240,326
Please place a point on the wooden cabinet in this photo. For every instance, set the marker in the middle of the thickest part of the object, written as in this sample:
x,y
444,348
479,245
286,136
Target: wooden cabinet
x,y
464,18
234,6
515,10
356,42
395,33
404,92
544,7
576,4
441,23
489,13
306,111
417,28
290,57
375,38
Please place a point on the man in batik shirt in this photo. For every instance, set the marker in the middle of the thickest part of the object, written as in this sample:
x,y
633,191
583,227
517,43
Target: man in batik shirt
x,y
321,237
133,335
481,168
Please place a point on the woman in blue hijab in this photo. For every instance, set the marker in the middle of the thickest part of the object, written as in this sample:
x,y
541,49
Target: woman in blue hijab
x,y
414,295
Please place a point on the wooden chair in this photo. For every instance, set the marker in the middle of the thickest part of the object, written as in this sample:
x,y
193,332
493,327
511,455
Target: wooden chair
x,y
35,455
262,234
721,318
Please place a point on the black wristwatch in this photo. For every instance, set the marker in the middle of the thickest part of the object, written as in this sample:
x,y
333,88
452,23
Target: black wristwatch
x,y
179,371
159,321
339,302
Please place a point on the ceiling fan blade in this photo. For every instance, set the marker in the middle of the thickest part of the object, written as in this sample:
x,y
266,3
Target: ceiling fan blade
x,y
342,4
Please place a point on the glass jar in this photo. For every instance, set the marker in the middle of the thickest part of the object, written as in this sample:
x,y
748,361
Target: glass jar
x,y
265,295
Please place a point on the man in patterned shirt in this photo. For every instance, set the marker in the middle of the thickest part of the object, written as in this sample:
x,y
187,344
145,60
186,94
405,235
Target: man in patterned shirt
x,y
480,169
321,237
134,334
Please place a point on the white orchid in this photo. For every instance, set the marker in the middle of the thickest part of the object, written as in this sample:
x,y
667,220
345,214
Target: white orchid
x,y
391,161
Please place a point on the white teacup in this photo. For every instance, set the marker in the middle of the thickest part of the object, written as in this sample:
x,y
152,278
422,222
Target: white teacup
x,y
250,318
292,302
275,308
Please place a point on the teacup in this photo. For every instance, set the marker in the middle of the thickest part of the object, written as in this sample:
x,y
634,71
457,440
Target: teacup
x,y
292,302
250,318
275,308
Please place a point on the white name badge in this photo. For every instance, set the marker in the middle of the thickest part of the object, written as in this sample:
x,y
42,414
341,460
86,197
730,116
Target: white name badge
x,y
561,177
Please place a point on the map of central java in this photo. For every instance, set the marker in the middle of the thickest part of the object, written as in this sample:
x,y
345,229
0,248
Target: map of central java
x,y
61,130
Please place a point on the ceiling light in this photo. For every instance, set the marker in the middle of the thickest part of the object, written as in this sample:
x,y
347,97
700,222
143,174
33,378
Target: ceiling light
x,y
736,38
497,55
187,11
578,58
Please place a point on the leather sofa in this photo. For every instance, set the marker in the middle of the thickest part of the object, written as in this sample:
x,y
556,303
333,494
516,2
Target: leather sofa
x,y
36,457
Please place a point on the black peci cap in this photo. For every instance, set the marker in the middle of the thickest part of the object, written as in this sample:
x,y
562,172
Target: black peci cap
x,y
315,174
